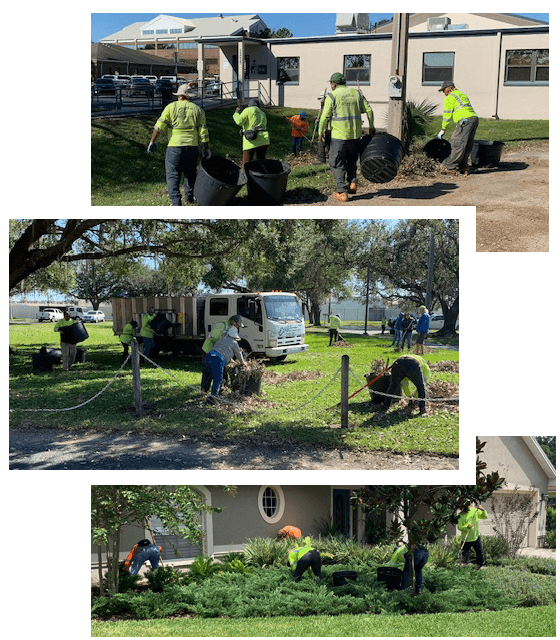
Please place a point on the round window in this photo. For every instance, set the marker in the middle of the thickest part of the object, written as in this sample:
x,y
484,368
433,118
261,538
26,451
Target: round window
x,y
271,503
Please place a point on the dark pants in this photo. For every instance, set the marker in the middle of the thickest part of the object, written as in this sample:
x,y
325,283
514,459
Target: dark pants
x,y
213,367
402,368
297,145
249,154
343,162
461,140
421,556
180,161
333,335
477,546
382,329
125,347
310,559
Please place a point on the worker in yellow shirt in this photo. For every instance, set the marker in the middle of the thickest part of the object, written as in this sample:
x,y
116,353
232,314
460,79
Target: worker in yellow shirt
x,y
303,558
254,128
68,349
457,106
468,526
187,124
334,325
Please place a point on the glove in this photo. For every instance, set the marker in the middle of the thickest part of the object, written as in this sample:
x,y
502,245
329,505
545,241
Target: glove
x,y
239,110
206,154
441,134
151,147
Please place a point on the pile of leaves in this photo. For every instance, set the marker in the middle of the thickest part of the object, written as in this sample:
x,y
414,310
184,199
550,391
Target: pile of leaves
x,y
237,375
341,343
272,377
449,366
416,165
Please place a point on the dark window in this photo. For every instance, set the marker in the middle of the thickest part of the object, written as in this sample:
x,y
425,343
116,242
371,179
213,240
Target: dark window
x,y
269,502
437,67
288,70
250,308
527,66
357,69
167,45
218,307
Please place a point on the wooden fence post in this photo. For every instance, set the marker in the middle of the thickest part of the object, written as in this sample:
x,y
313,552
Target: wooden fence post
x,y
344,391
136,387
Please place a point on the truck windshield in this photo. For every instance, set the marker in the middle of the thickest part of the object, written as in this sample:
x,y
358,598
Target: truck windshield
x,y
282,308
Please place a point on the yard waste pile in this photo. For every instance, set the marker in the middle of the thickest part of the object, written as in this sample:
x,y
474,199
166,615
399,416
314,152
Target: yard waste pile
x,y
380,157
244,379
267,181
218,180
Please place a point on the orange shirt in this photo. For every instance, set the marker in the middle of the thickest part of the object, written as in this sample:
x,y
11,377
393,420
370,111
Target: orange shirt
x,y
130,558
289,532
300,123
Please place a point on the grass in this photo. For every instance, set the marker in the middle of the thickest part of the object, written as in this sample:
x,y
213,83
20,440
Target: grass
x,y
178,411
533,622
124,174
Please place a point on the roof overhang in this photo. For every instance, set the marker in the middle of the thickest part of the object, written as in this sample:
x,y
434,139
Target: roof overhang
x,y
542,459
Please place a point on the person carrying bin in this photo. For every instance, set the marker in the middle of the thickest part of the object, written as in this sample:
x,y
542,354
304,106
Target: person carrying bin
x,y
142,551
68,349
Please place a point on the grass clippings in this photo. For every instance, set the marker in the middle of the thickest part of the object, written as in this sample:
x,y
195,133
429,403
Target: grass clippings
x,y
272,377
450,366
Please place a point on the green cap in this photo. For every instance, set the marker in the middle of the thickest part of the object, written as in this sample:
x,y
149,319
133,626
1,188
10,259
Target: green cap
x,y
338,78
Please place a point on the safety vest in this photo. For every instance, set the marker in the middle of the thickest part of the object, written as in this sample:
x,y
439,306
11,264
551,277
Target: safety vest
x,y
344,107
335,322
296,554
127,336
290,532
299,126
472,517
398,556
187,122
146,331
458,105
214,336
250,119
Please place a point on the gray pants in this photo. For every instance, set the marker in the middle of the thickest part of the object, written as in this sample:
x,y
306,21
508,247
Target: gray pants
x,y
343,162
180,161
461,144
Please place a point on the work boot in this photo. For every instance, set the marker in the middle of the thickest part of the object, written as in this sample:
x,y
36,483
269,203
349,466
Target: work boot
x,y
352,188
341,197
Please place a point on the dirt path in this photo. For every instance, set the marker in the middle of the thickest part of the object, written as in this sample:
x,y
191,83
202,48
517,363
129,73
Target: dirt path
x,y
511,200
59,449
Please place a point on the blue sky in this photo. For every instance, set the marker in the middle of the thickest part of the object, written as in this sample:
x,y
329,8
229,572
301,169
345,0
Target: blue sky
x,y
300,24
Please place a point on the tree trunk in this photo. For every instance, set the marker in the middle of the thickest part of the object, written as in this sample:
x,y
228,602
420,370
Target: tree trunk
x,y
411,550
450,315
316,312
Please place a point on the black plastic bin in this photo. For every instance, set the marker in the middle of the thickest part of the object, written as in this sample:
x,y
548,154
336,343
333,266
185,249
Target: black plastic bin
x,y
54,353
391,577
380,157
218,180
74,333
486,153
80,355
267,181
437,149
340,578
160,324
42,362
253,386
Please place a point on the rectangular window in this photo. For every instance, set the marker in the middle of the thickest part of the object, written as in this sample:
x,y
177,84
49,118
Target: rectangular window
x,y
188,45
148,46
175,31
526,66
357,69
162,30
167,45
437,67
148,32
288,71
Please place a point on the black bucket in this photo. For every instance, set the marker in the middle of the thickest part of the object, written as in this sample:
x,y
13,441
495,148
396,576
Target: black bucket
x,y
340,578
267,181
54,353
80,355
160,324
391,577
42,362
486,153
380,157
437,149
74,333
253,386
218,180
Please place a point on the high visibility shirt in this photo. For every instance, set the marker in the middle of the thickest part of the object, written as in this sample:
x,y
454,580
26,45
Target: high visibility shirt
x,y
64,323
250,119
289,532
146,331
296,554
214,336
299,126
398,556
472,517
458,106
335,322
130,557
408,389
187,122
344,107
127,335
423,325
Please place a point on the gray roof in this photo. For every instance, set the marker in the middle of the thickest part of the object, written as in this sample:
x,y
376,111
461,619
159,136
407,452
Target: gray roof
x,y
113,52
224,26
508,18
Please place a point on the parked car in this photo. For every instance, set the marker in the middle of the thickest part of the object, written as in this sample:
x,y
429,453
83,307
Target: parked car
x,y
436,322
94,316
139,86
77,312
104,85
212,88
163,85
152,79
49,314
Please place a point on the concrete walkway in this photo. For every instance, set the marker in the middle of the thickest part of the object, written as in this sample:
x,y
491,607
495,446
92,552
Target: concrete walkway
x,y
538,553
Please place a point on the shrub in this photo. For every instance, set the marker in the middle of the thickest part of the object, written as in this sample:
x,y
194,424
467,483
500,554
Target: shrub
x,y
529,589
237,566
126,581
441,556
266,552
550,519
203,567
494,548
164,577
232,555
550,539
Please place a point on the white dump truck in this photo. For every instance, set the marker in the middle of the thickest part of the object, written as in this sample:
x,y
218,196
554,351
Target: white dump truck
x,y
274,325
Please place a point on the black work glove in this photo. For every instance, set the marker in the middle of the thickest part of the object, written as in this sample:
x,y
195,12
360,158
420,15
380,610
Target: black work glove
x,y
151,147
206,154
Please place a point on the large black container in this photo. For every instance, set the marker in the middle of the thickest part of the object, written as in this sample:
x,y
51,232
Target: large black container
x,y
218,180
56,354
340,578
437,149
160,324
42,362
391,577
267,181
80,355
486,153
253,386
74,333
380,157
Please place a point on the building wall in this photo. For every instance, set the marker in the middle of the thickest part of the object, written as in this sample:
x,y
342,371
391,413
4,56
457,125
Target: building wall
x,y
472,20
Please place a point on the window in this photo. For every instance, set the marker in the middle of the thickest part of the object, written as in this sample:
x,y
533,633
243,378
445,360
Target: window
x,y
149,45
188,45
357,69
437,67
219,307
527,66
148,32
271,503
167,45
288,71
162,30
175,31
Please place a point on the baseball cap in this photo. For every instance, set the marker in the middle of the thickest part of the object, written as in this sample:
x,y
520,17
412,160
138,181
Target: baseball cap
x,y
184,90
232,332
302,114
445,84
237,319
338,78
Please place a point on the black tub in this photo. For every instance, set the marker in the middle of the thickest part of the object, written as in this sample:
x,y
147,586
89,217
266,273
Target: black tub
x,y
340,578
218,180
391,577
486,153
160,324
80,355
267,181
380,157
74,333
42,362
437,149
54,353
